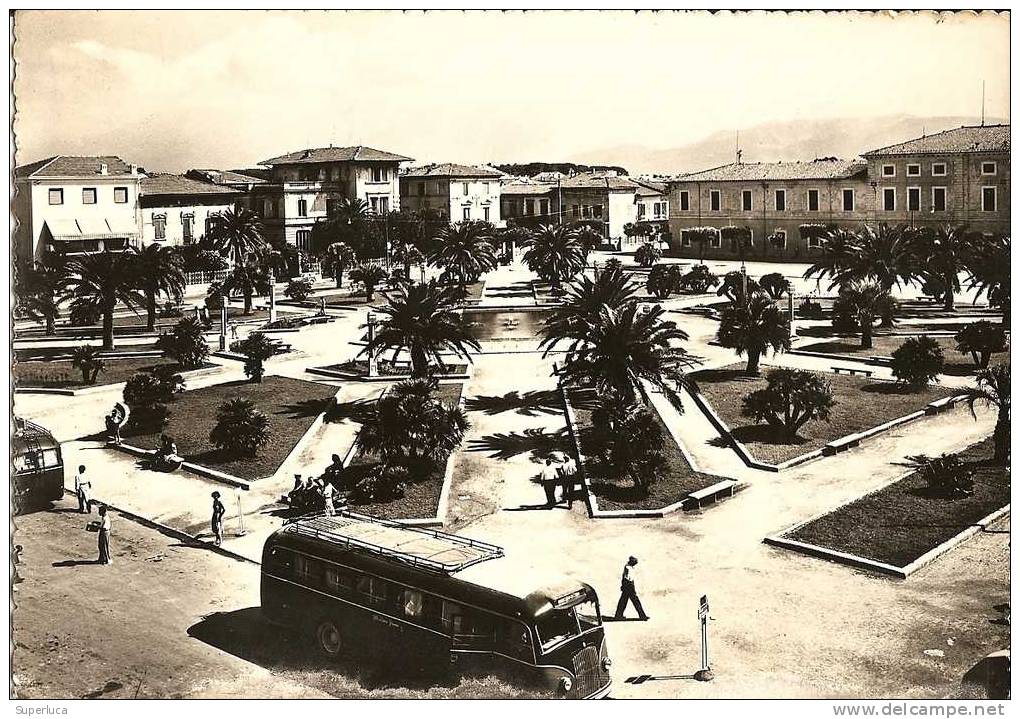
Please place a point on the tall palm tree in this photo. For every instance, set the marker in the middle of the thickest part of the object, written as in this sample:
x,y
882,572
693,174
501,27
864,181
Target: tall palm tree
x,y
423,320
350,210
885,254
249,277
158,271
993,388
988,272
554,253
465,251
37,291
590,238
237,234
582,306
752,327
864,302
96,282
941,254
627,348
834,259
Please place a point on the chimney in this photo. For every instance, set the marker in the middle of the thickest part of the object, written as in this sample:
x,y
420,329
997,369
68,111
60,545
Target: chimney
x,y
134,169
103,168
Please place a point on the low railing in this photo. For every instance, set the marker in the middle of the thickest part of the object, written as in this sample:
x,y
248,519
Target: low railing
x,y
204,278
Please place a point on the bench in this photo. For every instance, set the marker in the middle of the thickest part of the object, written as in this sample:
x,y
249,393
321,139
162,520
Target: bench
x,y
852,371
713,492
284,347
939,405
839,445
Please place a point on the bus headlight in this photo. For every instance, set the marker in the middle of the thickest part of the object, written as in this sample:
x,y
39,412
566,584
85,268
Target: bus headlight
x,y
606,663
565,684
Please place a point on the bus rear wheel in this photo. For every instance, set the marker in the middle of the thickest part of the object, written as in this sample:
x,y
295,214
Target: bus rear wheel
x,y
328,639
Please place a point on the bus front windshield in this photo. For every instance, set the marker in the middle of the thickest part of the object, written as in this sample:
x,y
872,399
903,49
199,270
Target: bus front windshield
x,y
561,624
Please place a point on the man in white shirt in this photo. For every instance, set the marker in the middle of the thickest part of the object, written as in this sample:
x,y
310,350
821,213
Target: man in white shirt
x,y
628,591
81,489
568,478
549,478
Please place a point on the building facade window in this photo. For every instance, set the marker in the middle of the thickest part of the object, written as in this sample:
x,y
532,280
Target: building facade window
x,y
88,196
812,200
661,209
914,170
466,188
938,169
938,199
596,210
814,241
188,228
988,168
685,201
888,170
685,238
641,211
485,214
989,199
848,200
467,213
303,239
267,208
421,188
379,204
913,199
780,200
716,240
747,200
575,210
889,199
302,208
543,208
779,239
715,200
120,195
56,196
529,207
380,174
159,227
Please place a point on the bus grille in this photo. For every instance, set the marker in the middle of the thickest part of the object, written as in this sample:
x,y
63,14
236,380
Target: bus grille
x,y
586,672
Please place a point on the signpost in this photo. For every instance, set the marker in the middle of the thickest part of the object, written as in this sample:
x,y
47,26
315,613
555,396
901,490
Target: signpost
x,y
272,296
793,333
223,325
705,673
371,336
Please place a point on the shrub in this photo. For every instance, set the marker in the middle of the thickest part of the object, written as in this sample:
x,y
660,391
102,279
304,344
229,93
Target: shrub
x,y
87,359
384,485
84,315
791,399
256,348
240,428
733,285
647,255
809,309
980,339
629,440
185,343
699,280
947,476
917,361
170,310
299,290
368,276
214,296
774,284
147,394
664,280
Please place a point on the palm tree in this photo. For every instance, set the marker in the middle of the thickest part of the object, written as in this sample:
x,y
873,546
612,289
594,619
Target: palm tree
x,y
583,304
753,327
249,277
350,211
864,302
237,234
87,359
988,272
465,251
37,292
554,253
341,257
627,348
835,256
96,282
369,276
589,237
886,254
158,272
941,254
993,388
422,319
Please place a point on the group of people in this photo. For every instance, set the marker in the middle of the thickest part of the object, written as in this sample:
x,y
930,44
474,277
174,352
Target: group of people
x,y
83,491
314,495
165,456
559,472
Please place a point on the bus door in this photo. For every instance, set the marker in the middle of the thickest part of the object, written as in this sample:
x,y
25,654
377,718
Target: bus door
x,y
472,631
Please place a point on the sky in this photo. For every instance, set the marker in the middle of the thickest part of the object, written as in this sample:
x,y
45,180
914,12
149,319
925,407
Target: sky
x,y
176,90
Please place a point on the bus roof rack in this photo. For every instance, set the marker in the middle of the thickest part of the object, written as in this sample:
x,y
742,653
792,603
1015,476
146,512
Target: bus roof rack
x,y
420,547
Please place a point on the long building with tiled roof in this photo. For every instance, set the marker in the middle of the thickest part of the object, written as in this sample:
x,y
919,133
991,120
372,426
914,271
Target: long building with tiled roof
x,y
457,192
450,169
966,139
179,209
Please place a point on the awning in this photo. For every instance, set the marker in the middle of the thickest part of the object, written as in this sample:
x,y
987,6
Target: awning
x,y
90,229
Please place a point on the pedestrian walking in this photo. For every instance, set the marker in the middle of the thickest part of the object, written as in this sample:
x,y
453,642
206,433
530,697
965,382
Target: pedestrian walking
x,y
628,591
104,536
328,492
568,478
218,510
549,478
83,490
233,330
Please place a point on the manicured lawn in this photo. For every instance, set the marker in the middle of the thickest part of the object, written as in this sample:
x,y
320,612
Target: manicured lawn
x,y
421,500
957,364
899,523
60,373
861,404
826,330
615,492
292,405
23,354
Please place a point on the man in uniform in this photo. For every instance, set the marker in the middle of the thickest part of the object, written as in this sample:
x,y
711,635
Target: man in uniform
x,y
628,591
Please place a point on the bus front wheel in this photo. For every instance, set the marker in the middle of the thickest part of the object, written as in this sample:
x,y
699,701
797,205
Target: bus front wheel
x,y
328,639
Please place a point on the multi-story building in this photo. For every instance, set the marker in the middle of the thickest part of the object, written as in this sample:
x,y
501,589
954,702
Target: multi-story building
x,y
178,210
234,179
458,192
529,204
71,205
960,176
602,199
305,187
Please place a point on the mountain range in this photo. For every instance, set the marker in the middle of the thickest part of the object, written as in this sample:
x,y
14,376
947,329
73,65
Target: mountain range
x,y
774,141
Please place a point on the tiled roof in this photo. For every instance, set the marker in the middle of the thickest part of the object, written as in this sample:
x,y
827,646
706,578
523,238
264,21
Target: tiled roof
x,y
335,154
647,188
969,138
167,184
68,166
525,188
228,177
830,168
587,180
450,169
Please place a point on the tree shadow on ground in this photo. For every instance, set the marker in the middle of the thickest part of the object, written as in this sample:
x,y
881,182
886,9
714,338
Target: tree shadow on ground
x,y
356,410
622,493
765,434
713,376
307,408
890,388
530,404
541,444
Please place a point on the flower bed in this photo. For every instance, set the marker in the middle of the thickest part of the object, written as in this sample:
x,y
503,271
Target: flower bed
x,y
957,364
292,406
58,374
618,493
860,404
902,521
421,500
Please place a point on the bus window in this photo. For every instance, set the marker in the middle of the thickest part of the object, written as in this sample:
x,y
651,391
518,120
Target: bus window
x,y
514,640
588,615
556,626
50,458
306,570
373,590
27,462
280,560
451,618
337,580
412,603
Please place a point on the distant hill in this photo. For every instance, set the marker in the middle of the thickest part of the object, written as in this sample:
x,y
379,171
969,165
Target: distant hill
x,y
789,140
531,169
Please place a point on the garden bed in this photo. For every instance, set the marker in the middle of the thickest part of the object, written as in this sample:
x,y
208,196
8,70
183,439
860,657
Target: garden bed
x,y
292,406
25,354
860,404
903,521
618,493
57,374
421,500
957,364
358,369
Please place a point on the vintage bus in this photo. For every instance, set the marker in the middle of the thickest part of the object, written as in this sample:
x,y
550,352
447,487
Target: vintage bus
x,y
355,581
38,477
